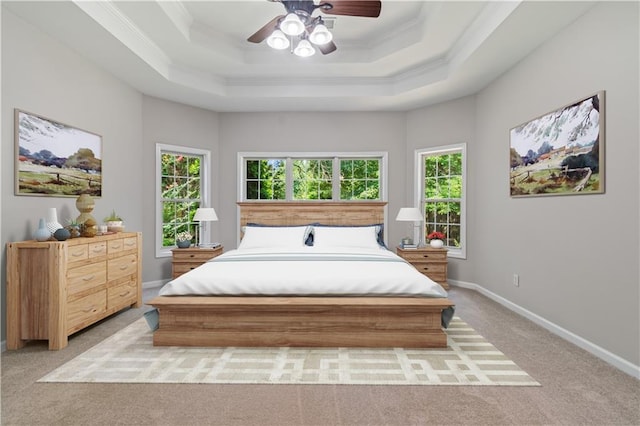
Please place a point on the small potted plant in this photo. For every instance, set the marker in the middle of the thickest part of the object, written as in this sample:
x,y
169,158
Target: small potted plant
x,y
435,239
183,239
114,222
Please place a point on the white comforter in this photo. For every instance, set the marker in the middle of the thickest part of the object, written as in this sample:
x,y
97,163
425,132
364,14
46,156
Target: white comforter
x,y
308,271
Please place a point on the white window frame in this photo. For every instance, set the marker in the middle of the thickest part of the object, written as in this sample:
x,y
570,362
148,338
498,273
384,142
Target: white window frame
x,y
205,173
419,200
289,156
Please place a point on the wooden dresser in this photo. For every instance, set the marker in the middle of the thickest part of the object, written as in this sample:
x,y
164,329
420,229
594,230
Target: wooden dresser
x,y
186,259
55,288
432,262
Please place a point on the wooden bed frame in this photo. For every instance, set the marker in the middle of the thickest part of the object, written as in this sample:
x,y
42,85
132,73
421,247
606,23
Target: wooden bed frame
x,y
409,322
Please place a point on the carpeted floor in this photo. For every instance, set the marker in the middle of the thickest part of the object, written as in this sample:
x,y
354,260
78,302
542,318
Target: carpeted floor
x,y
577,388
130,357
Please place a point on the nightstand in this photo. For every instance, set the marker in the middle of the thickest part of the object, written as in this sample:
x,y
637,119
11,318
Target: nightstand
x,y
432,262
186,259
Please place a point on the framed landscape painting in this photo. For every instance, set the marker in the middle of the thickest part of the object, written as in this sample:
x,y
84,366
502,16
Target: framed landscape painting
x,y
55,159
560,153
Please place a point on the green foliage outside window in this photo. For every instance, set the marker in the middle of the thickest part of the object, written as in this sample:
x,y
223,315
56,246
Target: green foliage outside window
x,y
180,194
312,179
359,179
265,179
443,195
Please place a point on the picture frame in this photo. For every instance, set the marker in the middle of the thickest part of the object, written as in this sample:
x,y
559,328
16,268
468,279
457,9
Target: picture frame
x,y
561,152
54,159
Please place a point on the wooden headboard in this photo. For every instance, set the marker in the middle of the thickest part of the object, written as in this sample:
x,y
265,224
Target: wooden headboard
x,y
304,212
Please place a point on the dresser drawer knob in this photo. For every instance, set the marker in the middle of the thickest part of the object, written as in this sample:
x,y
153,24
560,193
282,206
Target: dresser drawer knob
x,y
89,278
123,267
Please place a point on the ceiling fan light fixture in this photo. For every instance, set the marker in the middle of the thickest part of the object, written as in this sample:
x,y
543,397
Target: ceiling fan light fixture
x,y
320,35
292,25
304,49
278,40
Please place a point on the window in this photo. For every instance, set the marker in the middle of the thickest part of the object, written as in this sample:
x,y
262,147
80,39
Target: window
x,y
182,185
441,185
312,176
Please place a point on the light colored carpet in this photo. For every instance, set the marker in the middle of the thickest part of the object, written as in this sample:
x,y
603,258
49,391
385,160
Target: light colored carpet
x,y
130,357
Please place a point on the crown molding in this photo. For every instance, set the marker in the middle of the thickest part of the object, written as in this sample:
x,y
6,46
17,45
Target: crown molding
x,y
179,16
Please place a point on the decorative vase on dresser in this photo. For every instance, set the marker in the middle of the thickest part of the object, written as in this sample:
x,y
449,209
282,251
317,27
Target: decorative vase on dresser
x,y
56,288
42,233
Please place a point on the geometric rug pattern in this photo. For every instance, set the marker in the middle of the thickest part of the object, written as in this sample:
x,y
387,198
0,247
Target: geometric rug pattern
x,y
130,357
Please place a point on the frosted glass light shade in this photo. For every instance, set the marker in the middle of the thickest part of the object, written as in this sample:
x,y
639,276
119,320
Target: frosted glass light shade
x,y
205,214
320,35
409,214
304,49
292,25
278,40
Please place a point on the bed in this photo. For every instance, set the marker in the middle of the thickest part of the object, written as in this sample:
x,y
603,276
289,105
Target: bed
x,y
314,312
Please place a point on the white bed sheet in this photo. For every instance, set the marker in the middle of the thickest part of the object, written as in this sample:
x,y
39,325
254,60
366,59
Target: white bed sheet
x,y
305,271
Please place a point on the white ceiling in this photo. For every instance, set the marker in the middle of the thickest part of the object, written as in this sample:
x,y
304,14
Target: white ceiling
x,y
417,53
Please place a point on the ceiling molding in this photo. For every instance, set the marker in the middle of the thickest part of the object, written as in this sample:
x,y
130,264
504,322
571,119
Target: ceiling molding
x,y
179,16
115,22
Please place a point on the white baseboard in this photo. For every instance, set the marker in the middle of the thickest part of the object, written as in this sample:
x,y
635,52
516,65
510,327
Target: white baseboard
x,y
611,358
154,284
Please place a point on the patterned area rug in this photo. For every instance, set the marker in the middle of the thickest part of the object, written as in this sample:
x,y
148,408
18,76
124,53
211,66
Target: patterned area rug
x,y
130,357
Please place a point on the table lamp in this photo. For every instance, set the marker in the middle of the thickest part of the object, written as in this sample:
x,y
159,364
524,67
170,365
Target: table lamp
x,y
203,215
410,214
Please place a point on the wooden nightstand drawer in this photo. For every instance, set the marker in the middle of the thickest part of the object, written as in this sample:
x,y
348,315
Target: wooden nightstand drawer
x,y
420,255
428,261
431,268
190,258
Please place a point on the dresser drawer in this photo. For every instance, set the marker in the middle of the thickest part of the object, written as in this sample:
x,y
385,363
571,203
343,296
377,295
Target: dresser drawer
x,y
130,243
86,310
86,278
121,266
115,246
97,249
122,295
77,253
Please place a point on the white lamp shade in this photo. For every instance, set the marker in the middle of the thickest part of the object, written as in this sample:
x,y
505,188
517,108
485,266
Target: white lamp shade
x,y
292,25
409,214
278,40
205,214
320,35
304,49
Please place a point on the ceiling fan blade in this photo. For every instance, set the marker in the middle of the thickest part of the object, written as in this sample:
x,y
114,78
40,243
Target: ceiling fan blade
x,y
366,8
327,48
265,31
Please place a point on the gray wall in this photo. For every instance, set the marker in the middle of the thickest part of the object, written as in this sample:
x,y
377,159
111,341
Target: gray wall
x,y
577,256
173,124
311,132
578,259
41,76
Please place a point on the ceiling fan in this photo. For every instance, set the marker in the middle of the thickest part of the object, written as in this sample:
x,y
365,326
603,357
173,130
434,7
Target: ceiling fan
x,y
299,23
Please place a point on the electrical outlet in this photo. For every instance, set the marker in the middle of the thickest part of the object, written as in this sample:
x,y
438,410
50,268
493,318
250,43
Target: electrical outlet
x,y
516,280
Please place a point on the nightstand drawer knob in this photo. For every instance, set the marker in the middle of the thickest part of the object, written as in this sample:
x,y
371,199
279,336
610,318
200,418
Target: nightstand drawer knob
x,y
425,268
192,255
425,255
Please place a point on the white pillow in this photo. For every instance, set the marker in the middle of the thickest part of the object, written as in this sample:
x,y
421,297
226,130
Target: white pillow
x,y
346,236
277,236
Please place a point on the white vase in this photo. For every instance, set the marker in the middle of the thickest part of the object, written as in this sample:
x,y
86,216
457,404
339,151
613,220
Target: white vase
x,y
436,243
52,220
